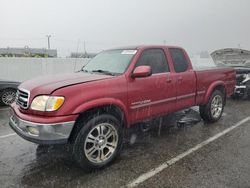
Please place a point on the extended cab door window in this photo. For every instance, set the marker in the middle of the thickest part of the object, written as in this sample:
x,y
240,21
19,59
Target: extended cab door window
x,y
155,58
179,60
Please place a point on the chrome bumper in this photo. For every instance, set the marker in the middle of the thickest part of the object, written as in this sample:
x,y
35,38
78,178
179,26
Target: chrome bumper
x,y
56,133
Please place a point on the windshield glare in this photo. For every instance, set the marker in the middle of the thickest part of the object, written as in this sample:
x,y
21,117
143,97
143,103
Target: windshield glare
x,y
114,61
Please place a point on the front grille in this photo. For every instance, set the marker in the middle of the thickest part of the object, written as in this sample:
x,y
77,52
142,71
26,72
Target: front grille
x,y
22,98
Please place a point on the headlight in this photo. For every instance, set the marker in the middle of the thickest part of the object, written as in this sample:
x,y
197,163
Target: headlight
x,y
47,103
54,103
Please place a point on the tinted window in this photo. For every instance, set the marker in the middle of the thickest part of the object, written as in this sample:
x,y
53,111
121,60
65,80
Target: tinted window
x,y
179,60
155,58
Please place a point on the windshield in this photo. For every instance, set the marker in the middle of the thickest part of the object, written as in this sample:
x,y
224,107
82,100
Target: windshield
x,y
112,61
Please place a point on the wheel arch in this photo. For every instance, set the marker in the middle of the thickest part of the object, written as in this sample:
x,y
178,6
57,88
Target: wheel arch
x,y
104,103
219,85
87,112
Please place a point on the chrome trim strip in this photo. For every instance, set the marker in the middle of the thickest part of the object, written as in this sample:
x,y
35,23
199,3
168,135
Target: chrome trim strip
x,y
28,92
186,96
24,99
201,92
162,101
141,102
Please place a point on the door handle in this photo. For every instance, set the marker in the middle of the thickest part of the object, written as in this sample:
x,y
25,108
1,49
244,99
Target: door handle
x,y
169,80
180,79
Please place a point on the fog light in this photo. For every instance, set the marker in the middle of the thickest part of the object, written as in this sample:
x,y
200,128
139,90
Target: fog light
x,y
33,131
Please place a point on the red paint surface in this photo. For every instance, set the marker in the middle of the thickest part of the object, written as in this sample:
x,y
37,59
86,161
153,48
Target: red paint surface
x,y
165,92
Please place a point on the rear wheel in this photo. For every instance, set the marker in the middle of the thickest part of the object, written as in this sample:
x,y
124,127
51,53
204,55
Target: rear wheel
x,y
98,143
213,110
7,96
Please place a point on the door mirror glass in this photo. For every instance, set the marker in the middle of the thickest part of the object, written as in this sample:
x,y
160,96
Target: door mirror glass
x,y
142,71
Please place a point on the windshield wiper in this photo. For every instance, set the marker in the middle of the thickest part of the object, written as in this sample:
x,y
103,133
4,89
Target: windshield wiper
x,y
83,70
104,72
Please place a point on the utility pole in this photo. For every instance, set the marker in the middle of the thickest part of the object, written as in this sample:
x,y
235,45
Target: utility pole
x,y
48,36
84,45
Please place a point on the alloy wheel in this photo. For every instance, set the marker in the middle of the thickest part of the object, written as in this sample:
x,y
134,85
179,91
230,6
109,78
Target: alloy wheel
x,y
216,106
101,143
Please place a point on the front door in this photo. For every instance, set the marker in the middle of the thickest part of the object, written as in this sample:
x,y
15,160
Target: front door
x,y
154,95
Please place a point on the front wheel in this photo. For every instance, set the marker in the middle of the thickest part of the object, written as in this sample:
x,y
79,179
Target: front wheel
x,y
98,143
213,110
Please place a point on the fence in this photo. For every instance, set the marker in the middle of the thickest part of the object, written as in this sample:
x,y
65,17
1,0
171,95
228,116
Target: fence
x,y
20,69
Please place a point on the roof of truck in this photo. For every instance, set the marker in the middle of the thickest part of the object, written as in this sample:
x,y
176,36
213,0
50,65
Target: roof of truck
x,y
137,47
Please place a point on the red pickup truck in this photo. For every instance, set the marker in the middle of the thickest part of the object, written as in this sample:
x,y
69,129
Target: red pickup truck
x,y
115,90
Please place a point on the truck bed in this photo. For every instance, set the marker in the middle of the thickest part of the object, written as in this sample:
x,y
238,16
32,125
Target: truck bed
x,y
204,78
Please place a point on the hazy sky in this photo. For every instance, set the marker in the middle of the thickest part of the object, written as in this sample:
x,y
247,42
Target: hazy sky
x,y
196,25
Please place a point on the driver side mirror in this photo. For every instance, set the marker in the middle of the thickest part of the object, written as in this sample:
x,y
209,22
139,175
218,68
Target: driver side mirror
x,y
142,71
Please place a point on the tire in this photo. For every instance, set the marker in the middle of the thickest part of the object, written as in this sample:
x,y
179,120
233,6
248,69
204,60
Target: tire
x,y
213,110
98,143
7,96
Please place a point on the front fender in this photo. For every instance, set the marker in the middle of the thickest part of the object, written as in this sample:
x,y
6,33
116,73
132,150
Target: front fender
x,y
102,102
211,89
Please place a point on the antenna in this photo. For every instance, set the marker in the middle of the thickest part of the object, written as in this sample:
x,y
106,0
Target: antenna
x,y
84,47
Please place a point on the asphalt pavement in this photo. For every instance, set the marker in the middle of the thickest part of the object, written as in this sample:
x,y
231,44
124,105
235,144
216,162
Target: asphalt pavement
x,y
225,162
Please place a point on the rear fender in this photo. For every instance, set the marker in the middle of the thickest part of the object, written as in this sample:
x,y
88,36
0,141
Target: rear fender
x,y
211,89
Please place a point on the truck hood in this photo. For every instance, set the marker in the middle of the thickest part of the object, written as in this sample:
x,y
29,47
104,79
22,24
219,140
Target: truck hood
x,y
49,83
232,57
233,64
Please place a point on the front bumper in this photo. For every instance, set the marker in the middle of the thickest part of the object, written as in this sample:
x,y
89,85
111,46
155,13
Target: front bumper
x,y
53,133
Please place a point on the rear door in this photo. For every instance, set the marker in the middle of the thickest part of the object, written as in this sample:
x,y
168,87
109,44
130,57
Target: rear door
x,y
185,78
153,95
